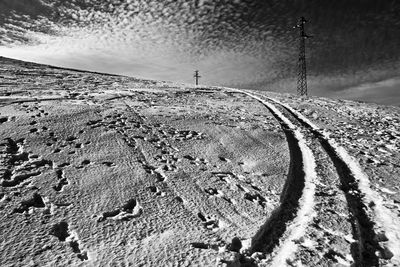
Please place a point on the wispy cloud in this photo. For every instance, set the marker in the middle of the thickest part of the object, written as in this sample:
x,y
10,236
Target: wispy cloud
x,y
232,42
152,40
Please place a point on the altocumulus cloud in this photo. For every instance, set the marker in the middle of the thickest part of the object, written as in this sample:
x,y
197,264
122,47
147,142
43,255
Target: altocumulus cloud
x,y
232,42
153,39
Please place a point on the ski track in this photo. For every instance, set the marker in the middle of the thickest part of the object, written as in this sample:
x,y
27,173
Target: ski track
x,y
305,213
387,223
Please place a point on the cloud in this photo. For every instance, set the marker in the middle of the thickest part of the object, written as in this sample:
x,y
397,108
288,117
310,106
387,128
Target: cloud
x,y
150,39
383,92
240,43
33,8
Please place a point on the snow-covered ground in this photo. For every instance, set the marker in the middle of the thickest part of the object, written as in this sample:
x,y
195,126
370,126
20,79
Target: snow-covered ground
x,y
101,170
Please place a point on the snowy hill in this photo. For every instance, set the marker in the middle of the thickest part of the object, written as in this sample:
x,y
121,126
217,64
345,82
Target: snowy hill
x,y
101,170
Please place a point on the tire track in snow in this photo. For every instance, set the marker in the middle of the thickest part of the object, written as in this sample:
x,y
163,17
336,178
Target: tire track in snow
x,y
288,223
378,229
365,245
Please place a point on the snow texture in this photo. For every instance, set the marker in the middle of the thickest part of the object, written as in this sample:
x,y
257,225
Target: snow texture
x,y
386,221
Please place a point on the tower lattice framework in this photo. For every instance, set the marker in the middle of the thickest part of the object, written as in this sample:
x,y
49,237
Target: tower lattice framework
x,y
196,76
302,67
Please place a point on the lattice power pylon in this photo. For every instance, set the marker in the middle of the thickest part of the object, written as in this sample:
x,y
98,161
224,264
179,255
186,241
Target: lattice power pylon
x,y
196,76
302,74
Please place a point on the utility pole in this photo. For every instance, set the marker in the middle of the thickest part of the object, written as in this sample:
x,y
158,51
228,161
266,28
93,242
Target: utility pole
x,y
197,76
302,71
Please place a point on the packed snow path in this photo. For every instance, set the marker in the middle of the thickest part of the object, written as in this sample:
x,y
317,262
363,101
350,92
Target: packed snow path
x,y
375,228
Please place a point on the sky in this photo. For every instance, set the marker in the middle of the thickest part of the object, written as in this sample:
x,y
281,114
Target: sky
x,y
353,53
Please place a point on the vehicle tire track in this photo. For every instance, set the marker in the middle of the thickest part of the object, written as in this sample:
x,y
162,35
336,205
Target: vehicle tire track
x,y
374,227
280,234
267,238
385,226
364,249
